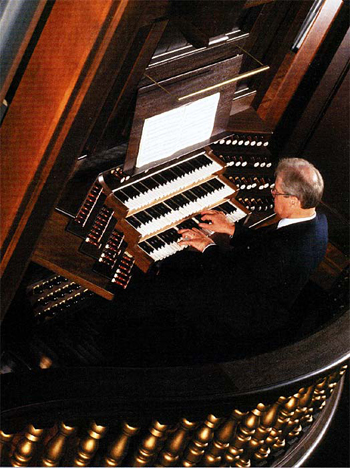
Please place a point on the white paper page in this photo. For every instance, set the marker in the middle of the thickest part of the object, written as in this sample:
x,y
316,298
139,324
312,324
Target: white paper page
x,y
199,120
171,131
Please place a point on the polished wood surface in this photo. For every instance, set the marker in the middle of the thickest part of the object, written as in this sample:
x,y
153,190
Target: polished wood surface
x,y
283,88
56,71
58,250
49,122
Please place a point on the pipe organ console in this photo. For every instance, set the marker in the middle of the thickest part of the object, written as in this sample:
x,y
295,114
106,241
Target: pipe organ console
x,y
135,219
187,152
126,220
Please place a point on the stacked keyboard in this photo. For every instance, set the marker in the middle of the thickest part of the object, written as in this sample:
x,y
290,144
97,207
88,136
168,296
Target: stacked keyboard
x,y
126,220
180,206
147,189
165,244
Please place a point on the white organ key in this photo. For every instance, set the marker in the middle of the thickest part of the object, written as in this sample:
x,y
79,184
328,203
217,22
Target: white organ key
x,y
180,208
137,201
166,244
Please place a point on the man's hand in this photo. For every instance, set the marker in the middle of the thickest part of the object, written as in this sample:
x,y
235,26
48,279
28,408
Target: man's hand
x,y
195,238
218,222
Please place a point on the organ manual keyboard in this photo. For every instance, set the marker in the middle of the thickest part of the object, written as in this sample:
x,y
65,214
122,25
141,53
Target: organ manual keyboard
x,y
126,219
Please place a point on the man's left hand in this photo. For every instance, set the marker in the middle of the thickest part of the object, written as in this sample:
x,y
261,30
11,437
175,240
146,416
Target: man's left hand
x,y
195,238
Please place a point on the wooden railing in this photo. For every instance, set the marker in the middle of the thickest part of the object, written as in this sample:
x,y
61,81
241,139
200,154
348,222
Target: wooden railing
x,y
248,412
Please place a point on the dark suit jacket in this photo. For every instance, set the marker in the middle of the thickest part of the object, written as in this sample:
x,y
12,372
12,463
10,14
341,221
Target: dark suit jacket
x,y
251,286
264,272
224,297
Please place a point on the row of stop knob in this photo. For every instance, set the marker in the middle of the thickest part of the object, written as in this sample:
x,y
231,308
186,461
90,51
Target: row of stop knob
x,y
257,204
244,140
249,183
245,161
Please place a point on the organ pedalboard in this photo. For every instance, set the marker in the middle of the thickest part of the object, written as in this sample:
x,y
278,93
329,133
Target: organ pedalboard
x,y
126,220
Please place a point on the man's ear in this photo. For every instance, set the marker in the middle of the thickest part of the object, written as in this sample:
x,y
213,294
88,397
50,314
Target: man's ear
x,y
296,202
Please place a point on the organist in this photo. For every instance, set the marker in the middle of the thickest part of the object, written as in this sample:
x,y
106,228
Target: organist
x,y
227,295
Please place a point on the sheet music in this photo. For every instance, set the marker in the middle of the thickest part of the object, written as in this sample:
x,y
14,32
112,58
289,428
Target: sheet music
x,y
171,131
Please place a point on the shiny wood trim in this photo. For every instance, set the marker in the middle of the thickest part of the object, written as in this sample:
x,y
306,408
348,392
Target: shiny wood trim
x,y
279,94
34,115
58,250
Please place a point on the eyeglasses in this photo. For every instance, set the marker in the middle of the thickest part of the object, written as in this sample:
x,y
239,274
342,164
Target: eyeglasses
x,y
274,193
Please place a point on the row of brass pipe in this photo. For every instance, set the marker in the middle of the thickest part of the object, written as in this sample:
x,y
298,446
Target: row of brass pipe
x,y
242,439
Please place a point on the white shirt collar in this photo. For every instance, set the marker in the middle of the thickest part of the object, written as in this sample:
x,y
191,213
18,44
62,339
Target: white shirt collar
x,y
287,221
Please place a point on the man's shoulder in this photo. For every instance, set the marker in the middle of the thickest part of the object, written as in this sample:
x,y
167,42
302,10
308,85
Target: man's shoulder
x,y
319,222
321,219
317,226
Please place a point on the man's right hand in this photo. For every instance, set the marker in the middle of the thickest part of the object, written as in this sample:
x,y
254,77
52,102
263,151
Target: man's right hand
x,y
217,222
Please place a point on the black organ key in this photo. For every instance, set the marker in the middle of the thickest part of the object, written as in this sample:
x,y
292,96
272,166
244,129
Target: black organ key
x,y
162,209
188,224
169,175
153,212
131,191
141,187
220,208
180,200
156,242
150,183
198,217
176,201
171,204
208,187
143,217
134,222
204,160
187,167
195,163
159,179
122,196
198,191
212,184
217,183
178,171
191,196
170,235
146,247
228,207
